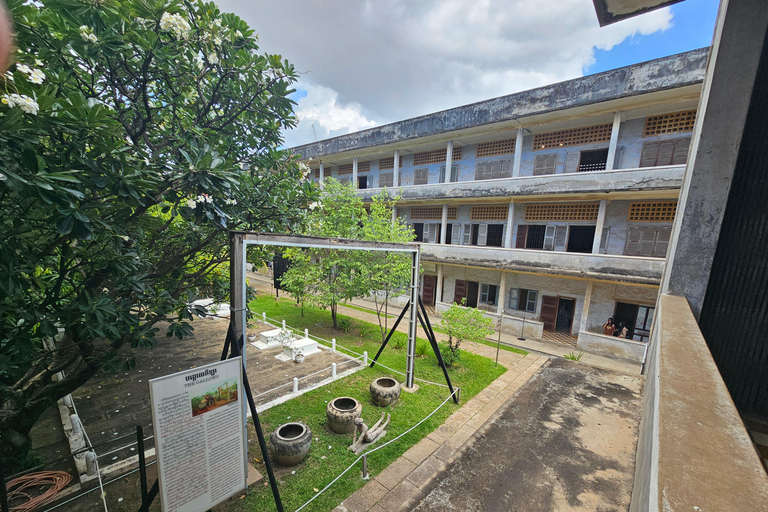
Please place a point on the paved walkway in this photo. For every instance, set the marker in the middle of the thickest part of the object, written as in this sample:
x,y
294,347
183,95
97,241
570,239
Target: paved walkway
x,y
401,484
264,284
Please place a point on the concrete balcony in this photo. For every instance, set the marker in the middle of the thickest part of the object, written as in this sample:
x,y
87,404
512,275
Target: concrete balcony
x,y
628,269
622,180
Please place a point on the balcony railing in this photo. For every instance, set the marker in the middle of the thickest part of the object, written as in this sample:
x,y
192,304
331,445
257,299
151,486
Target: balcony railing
x,y
621,180
630,269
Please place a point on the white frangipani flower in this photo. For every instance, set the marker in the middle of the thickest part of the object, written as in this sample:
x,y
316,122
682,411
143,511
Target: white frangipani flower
x,y
24,102
87,34
176,24
213,59
23,68
36,76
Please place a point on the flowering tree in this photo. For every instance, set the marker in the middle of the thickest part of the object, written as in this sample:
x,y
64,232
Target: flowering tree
x,y
133,135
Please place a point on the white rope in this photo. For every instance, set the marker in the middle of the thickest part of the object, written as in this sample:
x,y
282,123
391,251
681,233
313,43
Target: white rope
x,y
375,449
96,459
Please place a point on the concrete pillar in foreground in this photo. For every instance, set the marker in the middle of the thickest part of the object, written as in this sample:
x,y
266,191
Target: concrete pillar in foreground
x,y
322,174
439,287
585,309
354,172
396,170
502,294
510,225
448,161
599,226
614,141
444,224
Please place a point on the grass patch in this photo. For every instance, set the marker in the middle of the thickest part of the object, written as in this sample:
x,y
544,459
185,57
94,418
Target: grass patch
x,y
508,348
323,464
368,310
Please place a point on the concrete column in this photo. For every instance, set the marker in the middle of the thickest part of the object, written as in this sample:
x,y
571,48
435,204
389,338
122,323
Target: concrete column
x,y
443,223
585,310
448,161
354,171
394,215
599,227
322,174
502,293
396,170
510,225
439,287
614,141
518,152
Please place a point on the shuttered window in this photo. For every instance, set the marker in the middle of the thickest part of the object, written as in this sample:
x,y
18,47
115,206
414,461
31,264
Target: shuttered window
x,y
482,234
544,164
489,294
386,179
454,173
467,235
345,169
523,299
317,174
522,233
493,170
549,238
420,176
647,241
667,152
561,236
497,147
363,166
455,234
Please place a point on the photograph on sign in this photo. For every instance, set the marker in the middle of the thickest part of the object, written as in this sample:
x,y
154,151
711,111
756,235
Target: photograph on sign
x,y
199,435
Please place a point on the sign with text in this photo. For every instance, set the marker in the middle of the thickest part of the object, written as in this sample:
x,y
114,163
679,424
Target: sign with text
x,y
199,435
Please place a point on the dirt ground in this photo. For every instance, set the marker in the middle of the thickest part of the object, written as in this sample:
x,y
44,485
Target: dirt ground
x,y
565,442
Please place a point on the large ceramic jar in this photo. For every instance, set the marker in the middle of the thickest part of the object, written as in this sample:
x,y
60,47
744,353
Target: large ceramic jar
x,y
341,413
384,391
290,443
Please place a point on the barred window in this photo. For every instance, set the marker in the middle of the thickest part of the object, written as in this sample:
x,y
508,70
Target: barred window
x,y
386,179
652,211
493,170
432,213
345,169
435,156
491,212
363,166
317,174
420,176
573,137
670,123
562,212
497,147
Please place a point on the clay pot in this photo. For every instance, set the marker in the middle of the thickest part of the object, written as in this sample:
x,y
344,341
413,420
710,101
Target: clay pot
x,y
385,391
341,413
290,443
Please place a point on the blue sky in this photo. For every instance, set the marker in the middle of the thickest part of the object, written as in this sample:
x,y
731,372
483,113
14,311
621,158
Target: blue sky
x,y
693,26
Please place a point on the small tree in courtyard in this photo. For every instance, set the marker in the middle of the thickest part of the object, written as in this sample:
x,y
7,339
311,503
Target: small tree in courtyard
x,y
463,324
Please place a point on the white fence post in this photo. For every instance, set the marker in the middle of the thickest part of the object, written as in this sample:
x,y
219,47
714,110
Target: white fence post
x,y
365,357
333,370
295,385
264,317
306,333
333,346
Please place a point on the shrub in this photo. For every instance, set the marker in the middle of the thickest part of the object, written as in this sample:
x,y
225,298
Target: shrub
x,y
574,357
462,323
345,324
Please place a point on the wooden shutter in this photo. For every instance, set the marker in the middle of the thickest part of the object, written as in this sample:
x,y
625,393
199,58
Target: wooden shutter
x,y
428,290
522,232
433,233
549,312
544,164
467,238
513,296
604,240
662,242
549,238
455,234
648,155
561,235
666,149
484,293
460,291
482,234
481,171
680,154
633,241
647,241
420,176
454,173
386,179
572,161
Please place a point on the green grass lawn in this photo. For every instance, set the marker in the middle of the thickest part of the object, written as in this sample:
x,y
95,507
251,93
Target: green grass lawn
x,y
329,456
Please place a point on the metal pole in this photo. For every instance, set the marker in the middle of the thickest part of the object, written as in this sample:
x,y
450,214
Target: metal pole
x,y
522,331
412,325
498,342
365,466
3,492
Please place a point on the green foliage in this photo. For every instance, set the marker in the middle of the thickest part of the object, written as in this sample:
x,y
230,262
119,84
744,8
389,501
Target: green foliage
x,y
398,340
464,324
133,135
574,357
345,324
450,353
422,348
326,277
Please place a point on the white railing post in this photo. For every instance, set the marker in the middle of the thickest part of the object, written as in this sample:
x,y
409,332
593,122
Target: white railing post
x,y
365,357
333,346
295,385
333,370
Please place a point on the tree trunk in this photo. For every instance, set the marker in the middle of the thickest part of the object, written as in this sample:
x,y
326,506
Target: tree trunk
x,y
333,316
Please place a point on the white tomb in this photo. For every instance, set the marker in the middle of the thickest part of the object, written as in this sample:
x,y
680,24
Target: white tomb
x,y
268,339
304,346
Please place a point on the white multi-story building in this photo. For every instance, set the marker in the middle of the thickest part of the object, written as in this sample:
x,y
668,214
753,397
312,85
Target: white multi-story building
x,y
557,210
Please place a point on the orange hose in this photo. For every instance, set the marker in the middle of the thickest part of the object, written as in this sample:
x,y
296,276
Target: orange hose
x,y
57,480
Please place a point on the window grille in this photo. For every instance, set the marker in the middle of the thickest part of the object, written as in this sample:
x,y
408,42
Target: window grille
x,y
420,176
495,212
544,164
562,212
493,170
573,137
363,166
497,147
389,163
435,156
386,179
317,174
345,169
670,123
432,212
652,211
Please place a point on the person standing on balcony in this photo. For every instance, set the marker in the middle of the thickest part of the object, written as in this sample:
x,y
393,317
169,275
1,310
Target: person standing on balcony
x,y
609,328
623,331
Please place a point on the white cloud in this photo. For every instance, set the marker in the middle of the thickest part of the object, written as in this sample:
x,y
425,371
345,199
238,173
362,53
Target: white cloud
x,y
382,61
321,109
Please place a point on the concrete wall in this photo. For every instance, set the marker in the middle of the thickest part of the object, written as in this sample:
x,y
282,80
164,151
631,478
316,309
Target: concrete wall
x,y
611,346
509,324
605,296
